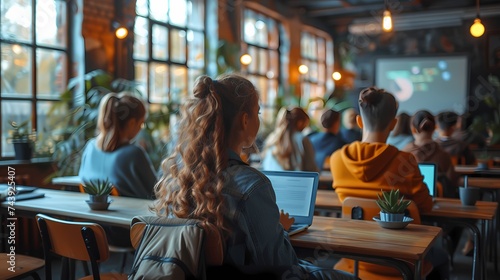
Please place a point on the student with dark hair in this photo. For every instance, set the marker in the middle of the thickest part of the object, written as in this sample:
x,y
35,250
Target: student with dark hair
x,y
425,149
206,179
327,141
350,131
401,135
365,168
447,123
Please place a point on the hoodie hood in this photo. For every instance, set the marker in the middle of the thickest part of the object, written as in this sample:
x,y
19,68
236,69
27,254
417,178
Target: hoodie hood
x,y
367,161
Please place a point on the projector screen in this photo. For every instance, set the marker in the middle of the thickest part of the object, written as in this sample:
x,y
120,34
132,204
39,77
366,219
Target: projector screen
x,y
436,83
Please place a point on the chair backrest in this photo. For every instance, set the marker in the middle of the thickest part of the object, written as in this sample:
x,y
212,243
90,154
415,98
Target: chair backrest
x,y
214,245
82,241
366,208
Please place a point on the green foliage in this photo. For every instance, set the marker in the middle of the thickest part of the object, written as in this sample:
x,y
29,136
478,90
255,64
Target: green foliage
x,y
489,120
228,59
80,123
21,132
391,202
98,187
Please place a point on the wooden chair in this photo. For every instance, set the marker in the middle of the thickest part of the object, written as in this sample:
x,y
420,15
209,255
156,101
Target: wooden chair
x,y
82,241
366,209
25,266
124,250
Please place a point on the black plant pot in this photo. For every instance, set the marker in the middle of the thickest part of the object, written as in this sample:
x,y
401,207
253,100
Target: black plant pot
x,y
23,150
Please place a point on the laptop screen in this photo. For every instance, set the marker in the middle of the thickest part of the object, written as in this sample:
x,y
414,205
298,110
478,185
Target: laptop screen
x,y
295,193
429,171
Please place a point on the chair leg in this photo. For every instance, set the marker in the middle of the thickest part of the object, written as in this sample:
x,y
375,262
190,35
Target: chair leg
x,y
124,261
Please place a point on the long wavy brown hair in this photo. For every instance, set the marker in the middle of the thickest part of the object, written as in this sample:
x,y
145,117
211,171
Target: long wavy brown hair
x,y
281,139
192,181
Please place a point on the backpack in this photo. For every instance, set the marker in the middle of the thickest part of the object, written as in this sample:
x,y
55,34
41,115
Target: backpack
x,y
170,248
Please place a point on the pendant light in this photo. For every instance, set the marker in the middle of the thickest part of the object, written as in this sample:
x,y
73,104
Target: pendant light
x,y
477,28
387,19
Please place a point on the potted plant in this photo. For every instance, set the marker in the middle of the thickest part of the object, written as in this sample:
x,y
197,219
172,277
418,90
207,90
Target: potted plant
x,y
23,139
98,190
392,206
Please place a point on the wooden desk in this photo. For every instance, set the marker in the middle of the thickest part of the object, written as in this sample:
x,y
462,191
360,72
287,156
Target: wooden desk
x,y
448,210
67,181
327,201
366,240
72,205
484,183
473,171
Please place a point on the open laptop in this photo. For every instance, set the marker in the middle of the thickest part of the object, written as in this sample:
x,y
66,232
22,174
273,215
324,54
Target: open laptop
x,y
429,171
296,195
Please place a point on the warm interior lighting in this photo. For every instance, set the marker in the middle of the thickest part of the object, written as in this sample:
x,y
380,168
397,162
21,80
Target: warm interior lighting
x,y
121,32
303,69
387,21
336,76
477,28
246,59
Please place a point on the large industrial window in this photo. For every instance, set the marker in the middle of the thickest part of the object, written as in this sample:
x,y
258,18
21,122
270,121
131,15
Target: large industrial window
x,y
169,48
261,35
34,61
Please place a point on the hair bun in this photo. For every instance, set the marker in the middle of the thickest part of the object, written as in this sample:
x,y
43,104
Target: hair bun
x,y
369,96
203,88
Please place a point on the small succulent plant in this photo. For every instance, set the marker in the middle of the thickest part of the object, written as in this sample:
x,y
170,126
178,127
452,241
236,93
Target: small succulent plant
x,y
98,187
391,202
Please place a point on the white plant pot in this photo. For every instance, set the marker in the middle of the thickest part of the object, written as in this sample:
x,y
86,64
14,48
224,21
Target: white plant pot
x,y
391,217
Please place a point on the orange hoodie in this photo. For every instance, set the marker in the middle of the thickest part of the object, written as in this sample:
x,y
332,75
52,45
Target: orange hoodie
x,y
364,169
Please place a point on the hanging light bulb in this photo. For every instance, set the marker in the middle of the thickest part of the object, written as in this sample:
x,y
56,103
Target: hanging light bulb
x,y
477,28
387,19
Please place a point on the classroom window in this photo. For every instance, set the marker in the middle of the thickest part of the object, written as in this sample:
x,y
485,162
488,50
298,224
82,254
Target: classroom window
x,y
169,47
34,61
261,35
317,54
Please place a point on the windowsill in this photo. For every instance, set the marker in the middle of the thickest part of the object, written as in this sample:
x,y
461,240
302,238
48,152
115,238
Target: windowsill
x,y
21,162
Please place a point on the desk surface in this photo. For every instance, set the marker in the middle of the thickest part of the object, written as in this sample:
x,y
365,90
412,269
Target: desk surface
x,y
356,236
484,183
73,205
472,170
67,181
328,200
453,208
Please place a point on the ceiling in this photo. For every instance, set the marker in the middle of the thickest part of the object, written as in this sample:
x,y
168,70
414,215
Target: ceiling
x,y
411,14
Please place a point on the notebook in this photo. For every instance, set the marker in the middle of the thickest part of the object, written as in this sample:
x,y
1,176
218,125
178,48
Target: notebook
x,y
429,171
22,192
296,195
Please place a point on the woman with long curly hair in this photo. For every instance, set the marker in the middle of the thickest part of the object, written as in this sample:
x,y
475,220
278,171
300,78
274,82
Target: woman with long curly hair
x,y
206,179
286,148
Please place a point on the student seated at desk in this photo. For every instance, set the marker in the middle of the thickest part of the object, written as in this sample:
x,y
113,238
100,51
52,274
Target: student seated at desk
x,y
327,141
286,148
425,149
364,168
447,124
112,155
206,179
